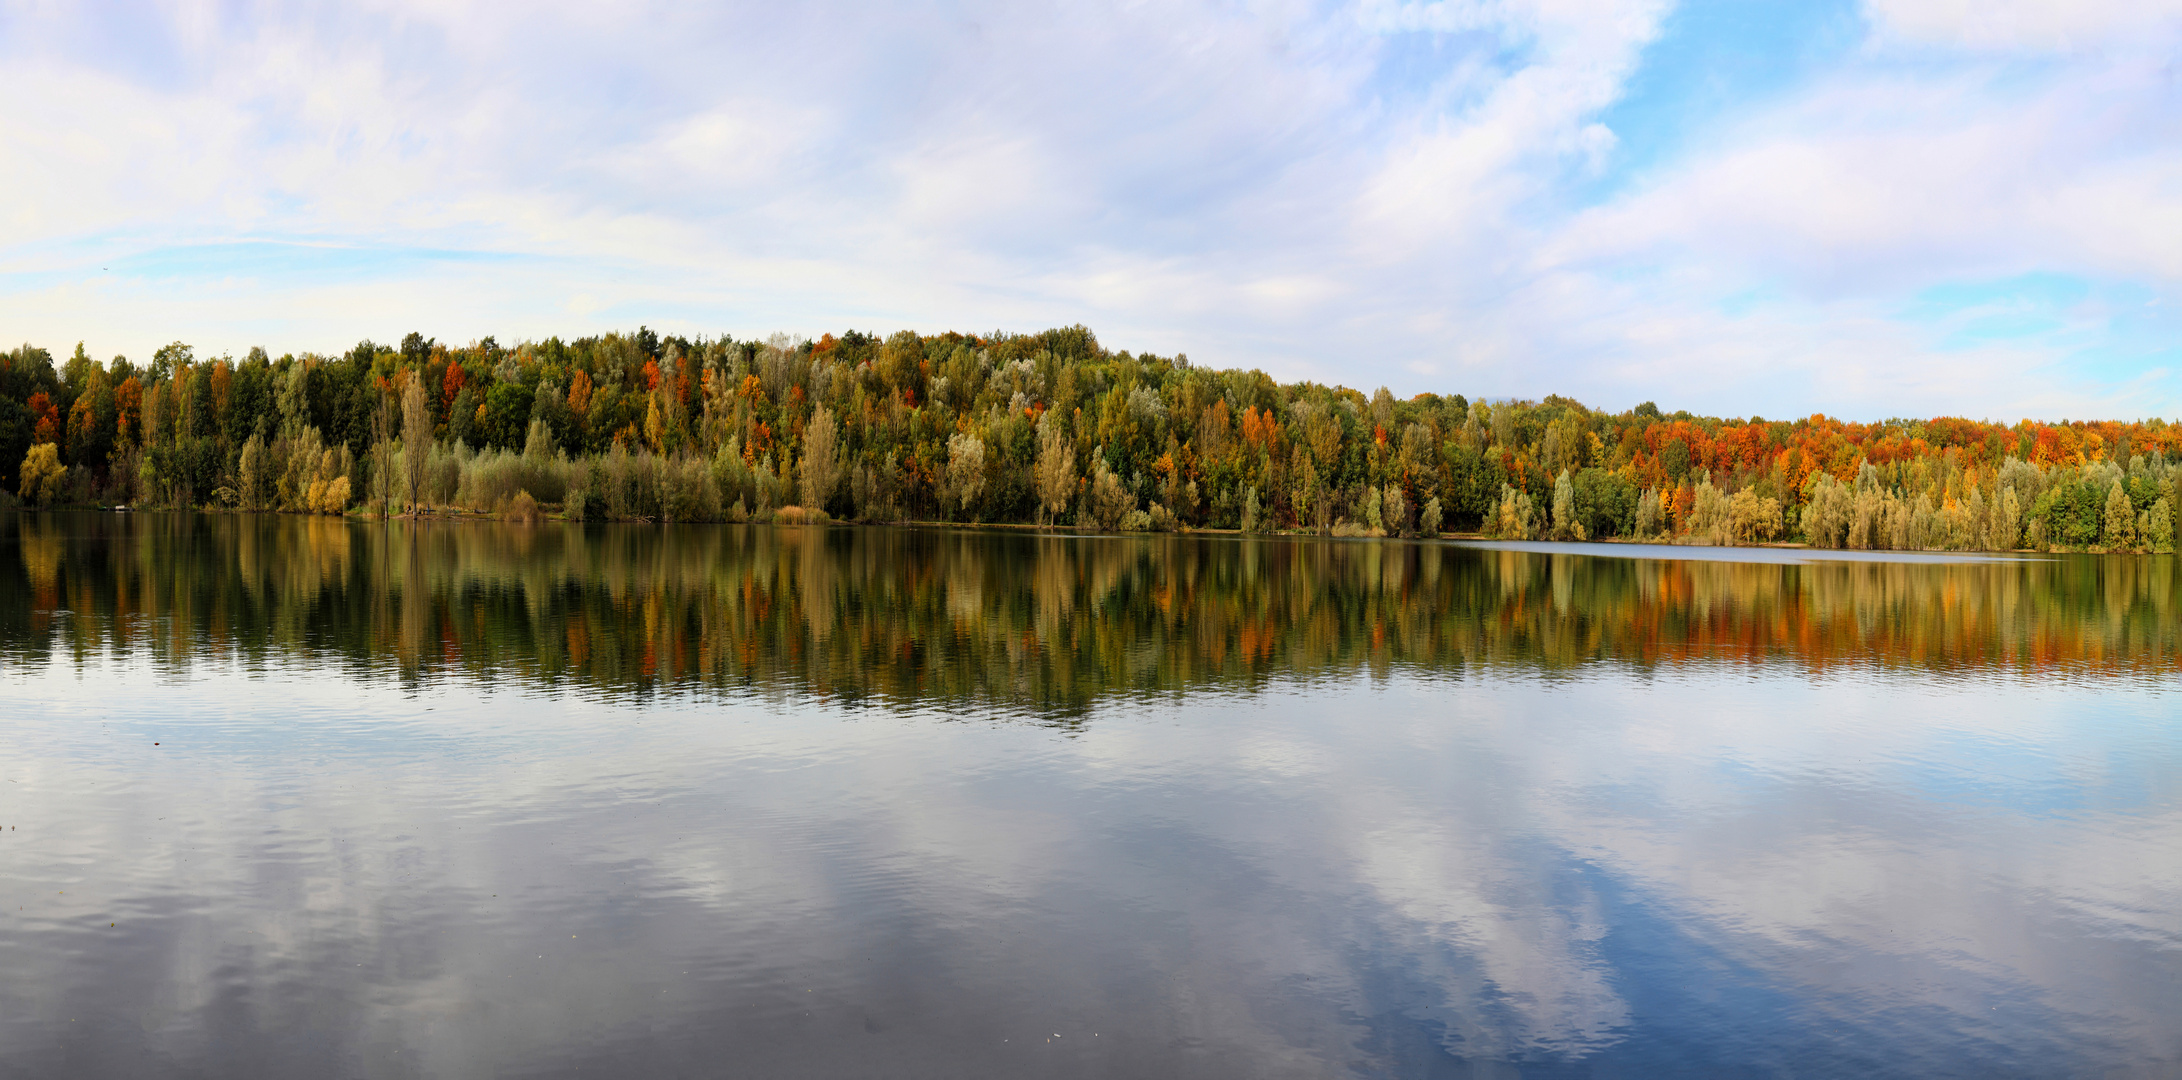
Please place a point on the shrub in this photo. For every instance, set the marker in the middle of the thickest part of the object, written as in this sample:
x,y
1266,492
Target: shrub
x,y
443,474
488,480
732,476
523,509
688,491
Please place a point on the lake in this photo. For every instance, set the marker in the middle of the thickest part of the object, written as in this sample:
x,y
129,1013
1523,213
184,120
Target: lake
x,y
286,796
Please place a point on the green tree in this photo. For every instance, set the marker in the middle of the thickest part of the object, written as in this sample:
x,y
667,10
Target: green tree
x,y
1567,524
169,359
507,415
2119,530
1675,457
253,475
416,435
2159,526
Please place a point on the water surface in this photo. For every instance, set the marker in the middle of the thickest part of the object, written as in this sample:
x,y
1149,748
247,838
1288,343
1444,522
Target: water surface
x,y
289,796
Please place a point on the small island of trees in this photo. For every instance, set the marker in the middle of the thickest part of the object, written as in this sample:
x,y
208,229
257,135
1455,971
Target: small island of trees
x,y
1048,429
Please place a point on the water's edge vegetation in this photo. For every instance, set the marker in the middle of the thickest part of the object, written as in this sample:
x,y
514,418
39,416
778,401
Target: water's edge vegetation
x,y
1049,429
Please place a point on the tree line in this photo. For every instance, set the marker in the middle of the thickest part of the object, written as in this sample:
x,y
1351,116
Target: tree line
x,y
1050,428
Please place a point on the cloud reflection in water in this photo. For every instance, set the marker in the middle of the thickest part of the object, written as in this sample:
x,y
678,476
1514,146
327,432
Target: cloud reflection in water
x,y
877,801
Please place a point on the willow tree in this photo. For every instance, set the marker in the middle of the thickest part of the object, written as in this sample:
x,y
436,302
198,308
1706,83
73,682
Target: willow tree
x,y
44,477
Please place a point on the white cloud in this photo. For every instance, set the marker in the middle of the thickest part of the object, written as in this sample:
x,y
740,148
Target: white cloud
x,y
2022,24
1360,195
1866,184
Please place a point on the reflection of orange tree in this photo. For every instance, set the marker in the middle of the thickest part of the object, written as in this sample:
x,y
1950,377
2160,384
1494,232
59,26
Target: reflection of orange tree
x,y
1037,622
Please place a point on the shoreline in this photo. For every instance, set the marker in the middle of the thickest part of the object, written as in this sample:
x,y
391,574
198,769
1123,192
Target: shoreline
x,y
481,516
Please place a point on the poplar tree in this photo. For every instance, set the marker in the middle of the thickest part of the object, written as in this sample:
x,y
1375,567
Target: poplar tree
x,y
821,458
416,436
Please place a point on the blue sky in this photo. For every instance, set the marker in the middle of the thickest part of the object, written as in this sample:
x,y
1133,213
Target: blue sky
x,y
1893,207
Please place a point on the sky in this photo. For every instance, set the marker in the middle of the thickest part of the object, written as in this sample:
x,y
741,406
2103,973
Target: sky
x,y
1876,209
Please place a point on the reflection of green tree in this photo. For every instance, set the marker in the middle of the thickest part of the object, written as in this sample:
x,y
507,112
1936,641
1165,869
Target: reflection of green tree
x,y
1022,621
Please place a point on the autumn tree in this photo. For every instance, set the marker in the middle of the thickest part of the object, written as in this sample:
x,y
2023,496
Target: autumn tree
x,y
1002,427
821,458
965,468
44,477
1056,469
416,435
1109,500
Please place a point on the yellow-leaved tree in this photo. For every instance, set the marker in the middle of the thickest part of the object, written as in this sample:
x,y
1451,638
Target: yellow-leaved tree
x,y
43,474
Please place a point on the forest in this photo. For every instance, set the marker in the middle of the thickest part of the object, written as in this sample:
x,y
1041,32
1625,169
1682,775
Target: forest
x,y
1049,429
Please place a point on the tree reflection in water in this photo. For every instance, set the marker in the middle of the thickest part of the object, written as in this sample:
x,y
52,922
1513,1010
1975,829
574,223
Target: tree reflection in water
x,y
1039,624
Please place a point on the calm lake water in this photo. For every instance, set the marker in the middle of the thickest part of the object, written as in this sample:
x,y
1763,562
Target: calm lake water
x,y
292,797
